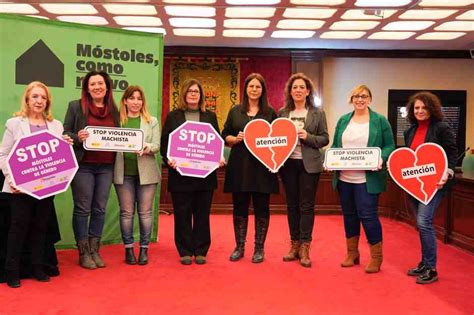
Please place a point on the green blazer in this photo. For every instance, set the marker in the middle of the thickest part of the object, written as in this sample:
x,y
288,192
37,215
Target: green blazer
x,y
380,135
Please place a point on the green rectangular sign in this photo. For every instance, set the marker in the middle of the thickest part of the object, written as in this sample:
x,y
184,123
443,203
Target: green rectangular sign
x,y
59,54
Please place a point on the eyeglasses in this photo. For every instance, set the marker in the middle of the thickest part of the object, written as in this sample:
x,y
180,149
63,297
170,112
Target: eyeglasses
x,y
193,92
361,96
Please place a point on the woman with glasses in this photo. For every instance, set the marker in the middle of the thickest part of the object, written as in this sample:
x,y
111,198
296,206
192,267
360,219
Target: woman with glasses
x,y
246,178
359,190
191,196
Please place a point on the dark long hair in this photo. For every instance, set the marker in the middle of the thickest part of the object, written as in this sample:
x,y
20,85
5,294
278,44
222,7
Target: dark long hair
x,y
263,101
432,104
289,103
86,99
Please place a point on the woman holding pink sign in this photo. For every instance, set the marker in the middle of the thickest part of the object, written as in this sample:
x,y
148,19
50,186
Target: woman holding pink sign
x,y
359,190
29,216
300,173
91,185
191,196
246,177
136,174
425,115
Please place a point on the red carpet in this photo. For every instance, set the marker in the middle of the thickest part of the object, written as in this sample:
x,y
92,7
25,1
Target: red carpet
x,y
273,287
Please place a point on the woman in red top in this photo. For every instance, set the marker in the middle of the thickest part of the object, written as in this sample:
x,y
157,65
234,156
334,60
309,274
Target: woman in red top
x,y
428,125
91,185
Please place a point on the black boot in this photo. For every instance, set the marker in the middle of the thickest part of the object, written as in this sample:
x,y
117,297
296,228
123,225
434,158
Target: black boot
x,y
130,256
261,228
418,270
240,232
39,274
13,278
143,256
428,276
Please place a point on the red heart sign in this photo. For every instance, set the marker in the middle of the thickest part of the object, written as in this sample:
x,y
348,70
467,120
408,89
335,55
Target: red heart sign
x,y
271,144
418,172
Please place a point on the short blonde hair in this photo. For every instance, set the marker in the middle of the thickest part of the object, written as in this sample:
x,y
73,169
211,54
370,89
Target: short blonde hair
x,y
25,109
184,90
144,113
357,90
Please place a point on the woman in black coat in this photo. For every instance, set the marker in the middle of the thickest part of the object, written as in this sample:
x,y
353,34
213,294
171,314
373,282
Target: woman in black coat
x,y
246,178
191,196
428,125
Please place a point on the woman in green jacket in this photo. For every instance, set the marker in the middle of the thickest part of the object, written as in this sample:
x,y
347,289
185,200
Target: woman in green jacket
x,y
359,190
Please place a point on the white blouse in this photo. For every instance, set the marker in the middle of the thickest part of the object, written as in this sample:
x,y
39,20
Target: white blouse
x,y
356,135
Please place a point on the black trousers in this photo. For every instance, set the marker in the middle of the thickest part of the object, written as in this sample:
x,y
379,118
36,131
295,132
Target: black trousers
x,y
192,232
29,221
300,189
261,204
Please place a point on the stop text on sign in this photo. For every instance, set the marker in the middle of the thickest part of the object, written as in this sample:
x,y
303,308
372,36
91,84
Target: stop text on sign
x,y
196,136
35,150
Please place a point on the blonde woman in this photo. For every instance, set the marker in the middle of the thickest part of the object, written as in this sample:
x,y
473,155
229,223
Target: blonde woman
x,y
29,216
136,174
359,190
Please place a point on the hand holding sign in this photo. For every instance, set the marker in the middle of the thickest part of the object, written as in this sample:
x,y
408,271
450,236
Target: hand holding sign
x,y
420,172
195,149
41,165
271,144
337,159
112,139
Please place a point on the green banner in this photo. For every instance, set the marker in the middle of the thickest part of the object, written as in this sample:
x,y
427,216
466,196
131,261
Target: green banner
x,y
59,54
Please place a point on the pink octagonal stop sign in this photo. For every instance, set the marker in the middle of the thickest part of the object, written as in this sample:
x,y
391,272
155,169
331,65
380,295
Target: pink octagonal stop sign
x,y
196,147
42,164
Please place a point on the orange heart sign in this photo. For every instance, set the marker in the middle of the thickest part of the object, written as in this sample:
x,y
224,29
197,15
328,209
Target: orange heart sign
x,y
418,172
271,144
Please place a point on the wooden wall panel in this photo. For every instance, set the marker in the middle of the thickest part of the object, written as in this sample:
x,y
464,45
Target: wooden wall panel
x,y
454,220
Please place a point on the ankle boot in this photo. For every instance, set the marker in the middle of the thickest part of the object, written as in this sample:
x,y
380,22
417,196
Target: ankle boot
x,y
85,259
143,256
240,233
376,258
39,274
428,276
305,260
130,256
353,255
293,253
261,228
94,243
13,278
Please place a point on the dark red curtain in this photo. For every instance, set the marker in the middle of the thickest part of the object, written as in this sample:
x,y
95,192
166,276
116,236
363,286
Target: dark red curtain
x,y
275,70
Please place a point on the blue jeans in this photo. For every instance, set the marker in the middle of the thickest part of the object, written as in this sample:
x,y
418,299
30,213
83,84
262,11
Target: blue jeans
x,y
424,221
90,191
131,193
359,206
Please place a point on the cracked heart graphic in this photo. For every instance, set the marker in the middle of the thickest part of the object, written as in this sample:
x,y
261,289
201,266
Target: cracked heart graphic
x,y
418,172
271,144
